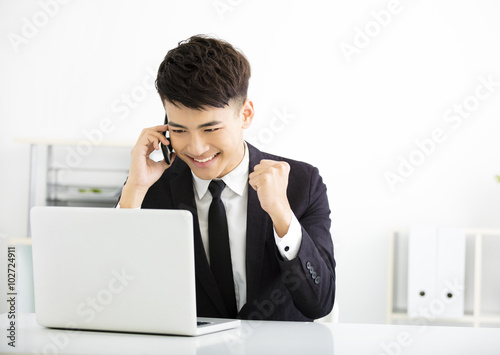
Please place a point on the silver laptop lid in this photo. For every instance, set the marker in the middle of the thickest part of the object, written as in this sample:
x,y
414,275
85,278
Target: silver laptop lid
x,y
114,269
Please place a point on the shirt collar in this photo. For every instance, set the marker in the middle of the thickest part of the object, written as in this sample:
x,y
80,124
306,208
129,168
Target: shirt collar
x,y
236,180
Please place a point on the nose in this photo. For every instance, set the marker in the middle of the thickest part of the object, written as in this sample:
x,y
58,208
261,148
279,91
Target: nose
x,y
197,146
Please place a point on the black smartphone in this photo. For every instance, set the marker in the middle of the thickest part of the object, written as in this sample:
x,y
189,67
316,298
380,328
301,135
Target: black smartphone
x,y
167,149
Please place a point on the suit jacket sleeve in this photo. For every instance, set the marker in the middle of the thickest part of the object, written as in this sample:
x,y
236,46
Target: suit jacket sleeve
x,y
310,277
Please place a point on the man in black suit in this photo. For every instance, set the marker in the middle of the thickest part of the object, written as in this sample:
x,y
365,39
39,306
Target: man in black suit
x,y
279,247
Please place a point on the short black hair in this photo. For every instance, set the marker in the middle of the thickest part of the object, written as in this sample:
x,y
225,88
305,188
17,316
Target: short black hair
x,y
202,72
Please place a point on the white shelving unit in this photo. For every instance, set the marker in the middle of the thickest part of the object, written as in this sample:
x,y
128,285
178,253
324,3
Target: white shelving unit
x,y
83,185
477,317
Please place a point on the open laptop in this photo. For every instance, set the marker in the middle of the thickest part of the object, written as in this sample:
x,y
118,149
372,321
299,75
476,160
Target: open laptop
x,y
117,270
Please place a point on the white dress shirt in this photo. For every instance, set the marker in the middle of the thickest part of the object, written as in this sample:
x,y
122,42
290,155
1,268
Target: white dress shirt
x,y
235,200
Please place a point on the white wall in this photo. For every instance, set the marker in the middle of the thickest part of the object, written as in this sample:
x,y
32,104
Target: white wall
x,y
353,116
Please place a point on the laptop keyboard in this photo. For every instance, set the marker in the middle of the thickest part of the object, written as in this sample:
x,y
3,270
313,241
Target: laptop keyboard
x,y
202,323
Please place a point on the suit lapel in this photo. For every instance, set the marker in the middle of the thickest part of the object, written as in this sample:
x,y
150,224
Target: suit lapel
x,y
181,187
257,225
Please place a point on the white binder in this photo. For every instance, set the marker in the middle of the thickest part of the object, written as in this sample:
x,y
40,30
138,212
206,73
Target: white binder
x,y
436,273
422,260
451,272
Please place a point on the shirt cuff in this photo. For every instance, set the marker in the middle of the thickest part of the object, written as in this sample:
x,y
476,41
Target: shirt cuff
x,y
136,208
289,245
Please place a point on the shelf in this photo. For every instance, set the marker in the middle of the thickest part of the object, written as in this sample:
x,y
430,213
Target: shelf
x,y
62,175
494,320
20,241
75,193
88,169
466,318
395,312
98,199
86,188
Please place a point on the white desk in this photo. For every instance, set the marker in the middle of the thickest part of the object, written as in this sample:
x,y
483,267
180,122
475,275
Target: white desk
x,y
259,338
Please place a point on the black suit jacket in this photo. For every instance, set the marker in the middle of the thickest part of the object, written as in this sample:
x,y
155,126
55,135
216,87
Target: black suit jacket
x,y
298,290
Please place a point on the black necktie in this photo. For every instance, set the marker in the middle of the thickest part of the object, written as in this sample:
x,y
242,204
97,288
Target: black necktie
x,y
218,241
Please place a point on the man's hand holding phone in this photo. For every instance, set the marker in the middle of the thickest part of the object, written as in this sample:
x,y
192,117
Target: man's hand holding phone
x,y
144,171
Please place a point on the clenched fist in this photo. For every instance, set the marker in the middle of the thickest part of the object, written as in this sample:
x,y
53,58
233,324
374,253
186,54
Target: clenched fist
x,y
270,180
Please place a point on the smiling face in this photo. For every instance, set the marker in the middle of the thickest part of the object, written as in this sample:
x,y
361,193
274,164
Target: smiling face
x,y
210,141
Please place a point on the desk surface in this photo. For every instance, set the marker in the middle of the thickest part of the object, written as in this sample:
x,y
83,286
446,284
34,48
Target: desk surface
x,y
255,337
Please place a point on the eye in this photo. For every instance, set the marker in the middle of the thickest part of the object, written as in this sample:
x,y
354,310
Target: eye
x,y
212,129
177,130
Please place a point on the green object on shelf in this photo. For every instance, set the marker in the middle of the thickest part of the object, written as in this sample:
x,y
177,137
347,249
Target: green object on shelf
x,y
93,190
498,178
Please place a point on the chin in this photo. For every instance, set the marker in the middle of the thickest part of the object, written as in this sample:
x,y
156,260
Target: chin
x,y
204,174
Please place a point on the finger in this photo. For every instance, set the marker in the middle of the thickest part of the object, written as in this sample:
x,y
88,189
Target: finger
x,y
159,128
258,169
252,178
153,141
265,164
155,137
273,167
255,173
257,181
253,185
152,130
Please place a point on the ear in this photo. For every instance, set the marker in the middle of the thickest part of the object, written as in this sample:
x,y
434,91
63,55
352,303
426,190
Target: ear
x,y
246,114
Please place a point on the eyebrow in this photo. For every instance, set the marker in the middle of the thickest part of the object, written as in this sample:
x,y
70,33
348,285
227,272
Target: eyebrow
x,y
207,124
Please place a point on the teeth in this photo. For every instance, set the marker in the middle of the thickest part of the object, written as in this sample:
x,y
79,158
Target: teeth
x,y
205,160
